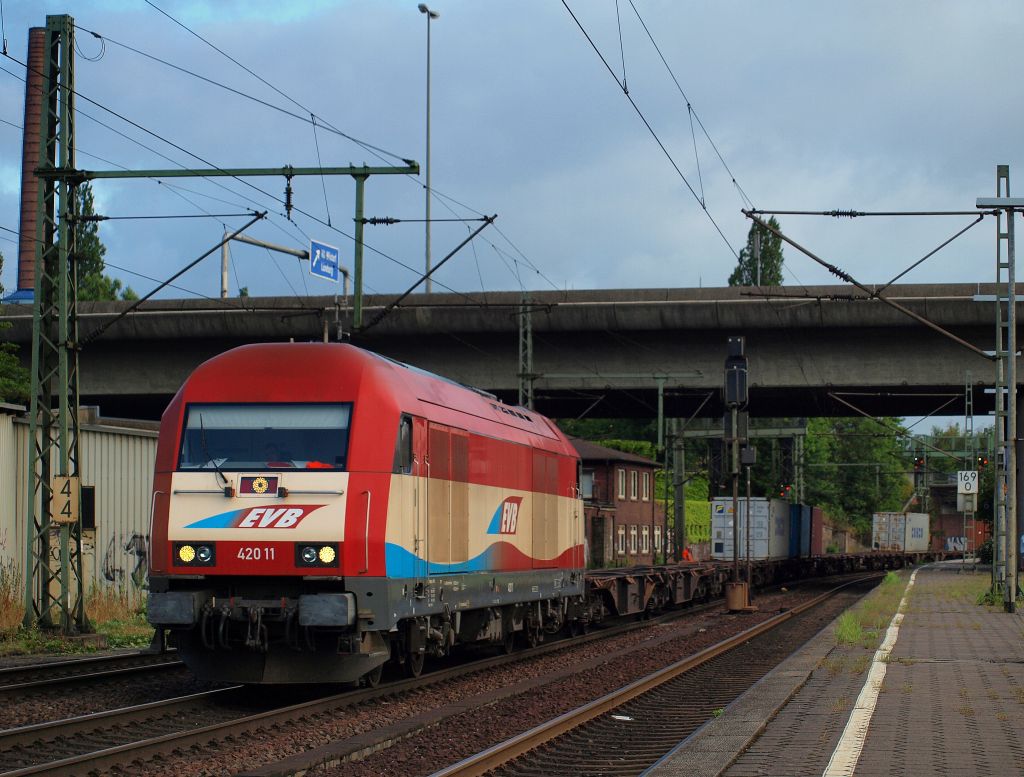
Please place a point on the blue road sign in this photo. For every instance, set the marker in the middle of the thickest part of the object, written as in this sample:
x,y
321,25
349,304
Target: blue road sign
x,y
323,261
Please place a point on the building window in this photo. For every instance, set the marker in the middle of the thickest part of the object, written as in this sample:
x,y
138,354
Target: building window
x,y
620,540
657,538
632,539
647,486
632,484
587,484
622,483
645,540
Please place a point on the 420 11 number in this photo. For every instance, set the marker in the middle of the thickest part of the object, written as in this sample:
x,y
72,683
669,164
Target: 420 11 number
x,y
256,553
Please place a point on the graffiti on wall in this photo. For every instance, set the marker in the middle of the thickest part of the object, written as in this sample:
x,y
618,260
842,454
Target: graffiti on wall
x,y
122,554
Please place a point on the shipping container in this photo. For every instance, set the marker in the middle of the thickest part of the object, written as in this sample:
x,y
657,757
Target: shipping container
x,y
795,529
817,532
769,528
907,532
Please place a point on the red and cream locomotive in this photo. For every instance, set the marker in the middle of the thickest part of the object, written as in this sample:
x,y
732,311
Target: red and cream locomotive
x,y
319,509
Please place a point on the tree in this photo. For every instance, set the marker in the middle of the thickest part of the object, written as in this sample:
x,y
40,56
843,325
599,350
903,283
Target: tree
x,y
93,284
746,273
14,379
856,467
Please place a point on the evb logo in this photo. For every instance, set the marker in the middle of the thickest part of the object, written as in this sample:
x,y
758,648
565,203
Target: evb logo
x,y
506,517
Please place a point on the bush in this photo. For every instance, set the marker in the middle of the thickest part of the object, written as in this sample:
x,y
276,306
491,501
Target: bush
x,y
985,552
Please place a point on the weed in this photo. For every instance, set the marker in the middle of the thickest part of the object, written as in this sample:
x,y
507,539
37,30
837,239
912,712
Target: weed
x,y
12,600
719,712
839,705
848,629
907,688
860,665
834,666
1002,716
967,711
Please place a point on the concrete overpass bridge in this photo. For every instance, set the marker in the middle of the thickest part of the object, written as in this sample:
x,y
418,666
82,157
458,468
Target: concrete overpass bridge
x,y
604,353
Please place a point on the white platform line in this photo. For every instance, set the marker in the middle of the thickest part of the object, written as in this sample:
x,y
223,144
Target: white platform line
x,y
844,759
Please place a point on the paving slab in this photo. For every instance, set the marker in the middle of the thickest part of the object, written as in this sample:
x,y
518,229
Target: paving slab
x,y
951,701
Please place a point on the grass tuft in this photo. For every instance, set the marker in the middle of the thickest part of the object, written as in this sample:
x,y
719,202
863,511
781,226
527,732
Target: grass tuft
x,y
12,599
848,629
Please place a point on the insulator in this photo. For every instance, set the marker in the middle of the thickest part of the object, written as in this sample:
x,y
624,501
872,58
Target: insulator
x,y
849,214
288,197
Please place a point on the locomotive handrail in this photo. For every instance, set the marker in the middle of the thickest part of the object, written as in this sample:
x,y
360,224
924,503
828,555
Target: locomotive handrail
x,y
218,491
152,516
334,493
366,535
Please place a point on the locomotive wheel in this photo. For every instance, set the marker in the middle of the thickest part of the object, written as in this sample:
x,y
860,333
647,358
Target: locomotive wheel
x,y
532,636
372,677
414,664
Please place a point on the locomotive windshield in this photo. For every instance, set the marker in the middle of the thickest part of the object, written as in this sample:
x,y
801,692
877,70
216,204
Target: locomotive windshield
x,y
243,437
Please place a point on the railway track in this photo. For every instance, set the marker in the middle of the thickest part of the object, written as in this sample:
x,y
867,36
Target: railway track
x,y
125,738
626,731
118,738
54,674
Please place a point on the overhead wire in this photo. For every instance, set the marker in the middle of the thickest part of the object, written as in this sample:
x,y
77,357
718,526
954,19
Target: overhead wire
x,y
691,110
313,117
235,177
699,198
262,80
322,123
652,132
169,159
323,182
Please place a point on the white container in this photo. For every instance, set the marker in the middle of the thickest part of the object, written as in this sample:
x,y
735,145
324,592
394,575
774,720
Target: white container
x,y
769,528
903,532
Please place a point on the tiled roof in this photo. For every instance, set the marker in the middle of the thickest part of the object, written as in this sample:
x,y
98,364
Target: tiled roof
x,y
590,451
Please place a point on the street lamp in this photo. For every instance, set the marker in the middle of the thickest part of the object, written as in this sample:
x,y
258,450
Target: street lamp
x,y
430,15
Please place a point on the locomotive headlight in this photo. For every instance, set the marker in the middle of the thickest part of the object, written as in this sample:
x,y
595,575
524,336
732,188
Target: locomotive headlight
x,y
326,554
186,553
204,553
309,555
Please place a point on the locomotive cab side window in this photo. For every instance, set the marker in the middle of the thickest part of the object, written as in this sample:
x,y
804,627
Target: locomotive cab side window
x,y
403,447
265,436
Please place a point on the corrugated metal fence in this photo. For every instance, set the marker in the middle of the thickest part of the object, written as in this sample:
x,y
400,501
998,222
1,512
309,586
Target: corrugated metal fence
x,y
118,463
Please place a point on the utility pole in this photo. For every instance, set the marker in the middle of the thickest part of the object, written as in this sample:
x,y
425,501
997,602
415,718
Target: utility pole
x,y
737,594
1007,432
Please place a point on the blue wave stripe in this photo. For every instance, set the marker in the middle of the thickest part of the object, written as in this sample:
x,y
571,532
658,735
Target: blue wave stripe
x,y
401,563
220,521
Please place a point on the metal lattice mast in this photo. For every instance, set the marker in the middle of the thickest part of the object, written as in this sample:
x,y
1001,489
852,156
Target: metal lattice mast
x,y
1004,388
53,453
971,456
526,374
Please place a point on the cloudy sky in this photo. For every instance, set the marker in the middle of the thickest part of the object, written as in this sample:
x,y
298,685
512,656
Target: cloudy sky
x,y
874,106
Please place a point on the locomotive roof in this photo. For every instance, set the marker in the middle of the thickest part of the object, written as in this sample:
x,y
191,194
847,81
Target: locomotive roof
x,y
332,372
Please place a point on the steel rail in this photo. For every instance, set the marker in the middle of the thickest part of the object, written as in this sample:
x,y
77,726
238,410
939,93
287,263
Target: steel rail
x,y
26,735
11,682
502,753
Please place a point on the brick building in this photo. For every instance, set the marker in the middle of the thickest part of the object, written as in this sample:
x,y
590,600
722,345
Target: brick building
x,y
625,525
